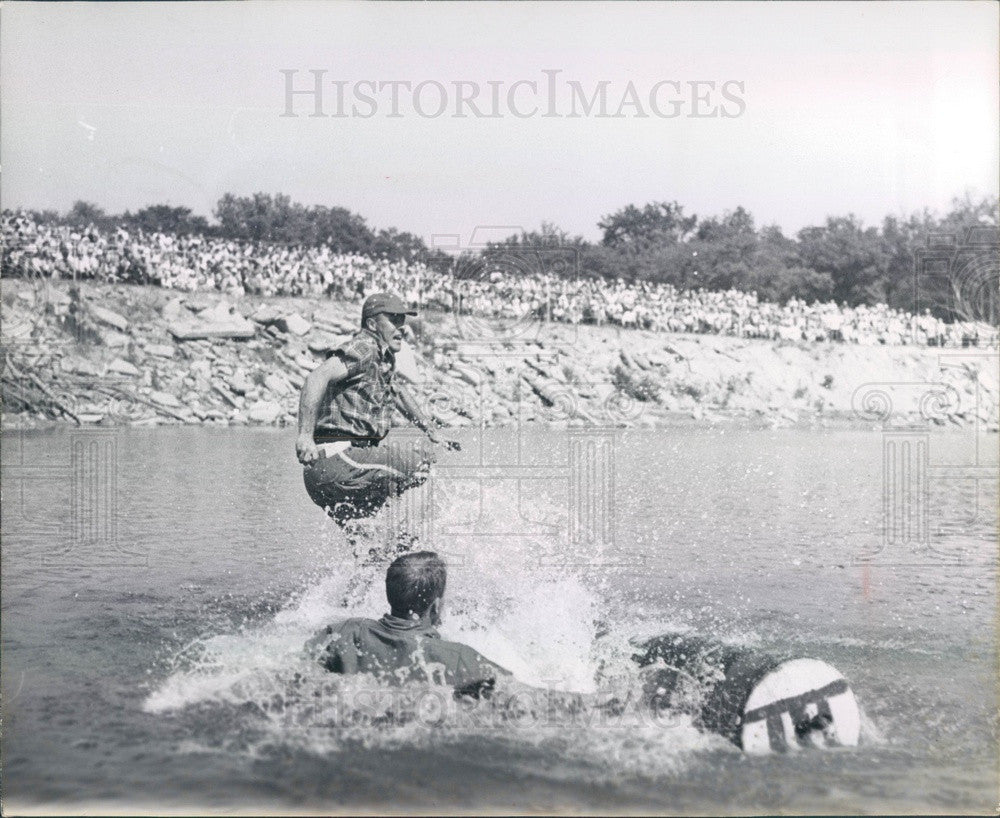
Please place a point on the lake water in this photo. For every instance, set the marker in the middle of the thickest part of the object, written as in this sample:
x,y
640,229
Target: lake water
x,y
152,622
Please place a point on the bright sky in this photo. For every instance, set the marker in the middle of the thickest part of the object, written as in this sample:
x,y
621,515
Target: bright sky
x,y
844,107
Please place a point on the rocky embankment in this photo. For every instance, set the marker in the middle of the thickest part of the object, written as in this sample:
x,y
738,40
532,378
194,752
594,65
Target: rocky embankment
x,y
147,356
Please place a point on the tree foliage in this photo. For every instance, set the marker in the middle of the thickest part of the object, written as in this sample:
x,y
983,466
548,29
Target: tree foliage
x,y
639,228
263,217
86,214
167,219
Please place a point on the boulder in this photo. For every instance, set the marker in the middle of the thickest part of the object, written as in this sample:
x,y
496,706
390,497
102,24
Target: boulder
x,y
266,315
233,326
198,300
641,361
293,323
122,367
81,366
109,318
333,324
265,411
165,399
277,384
306,362
323,343
549,372
240,383
17,324
219,312
550,394
200,369
160,350
467,373
153,420
114,340
680,356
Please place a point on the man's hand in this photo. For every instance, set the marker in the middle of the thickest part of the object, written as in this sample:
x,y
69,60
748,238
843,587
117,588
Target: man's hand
x,y
305,449
329,373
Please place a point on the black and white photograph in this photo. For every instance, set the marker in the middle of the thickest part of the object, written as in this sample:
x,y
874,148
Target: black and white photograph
x,y
499,408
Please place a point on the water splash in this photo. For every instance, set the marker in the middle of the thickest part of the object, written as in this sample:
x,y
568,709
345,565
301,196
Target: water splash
x,y
550,625
539,623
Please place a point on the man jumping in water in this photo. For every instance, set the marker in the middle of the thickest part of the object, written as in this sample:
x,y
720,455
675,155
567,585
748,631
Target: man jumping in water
x,y
404,645
344,415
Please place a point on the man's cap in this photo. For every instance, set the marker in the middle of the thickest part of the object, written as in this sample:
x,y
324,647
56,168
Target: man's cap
x,y
384,302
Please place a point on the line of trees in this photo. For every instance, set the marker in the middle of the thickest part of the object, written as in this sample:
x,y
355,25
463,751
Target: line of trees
x,y
841,260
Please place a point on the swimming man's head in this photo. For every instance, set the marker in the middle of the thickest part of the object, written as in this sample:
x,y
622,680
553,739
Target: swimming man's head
x,y
414,585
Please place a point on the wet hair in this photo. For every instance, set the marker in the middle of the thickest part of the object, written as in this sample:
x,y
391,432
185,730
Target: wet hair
x,y
413,582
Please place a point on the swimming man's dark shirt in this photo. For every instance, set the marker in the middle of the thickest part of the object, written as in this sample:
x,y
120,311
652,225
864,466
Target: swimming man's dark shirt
x,y
401,650
359,407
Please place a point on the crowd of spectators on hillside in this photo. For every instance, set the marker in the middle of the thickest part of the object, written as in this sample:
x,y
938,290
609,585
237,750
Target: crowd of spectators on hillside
x,y
195,262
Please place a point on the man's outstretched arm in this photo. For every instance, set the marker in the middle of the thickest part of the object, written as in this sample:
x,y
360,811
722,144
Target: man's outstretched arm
x,y
408,406
331,371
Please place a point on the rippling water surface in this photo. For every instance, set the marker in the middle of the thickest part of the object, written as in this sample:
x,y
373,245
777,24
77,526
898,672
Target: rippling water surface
x,y
154,663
